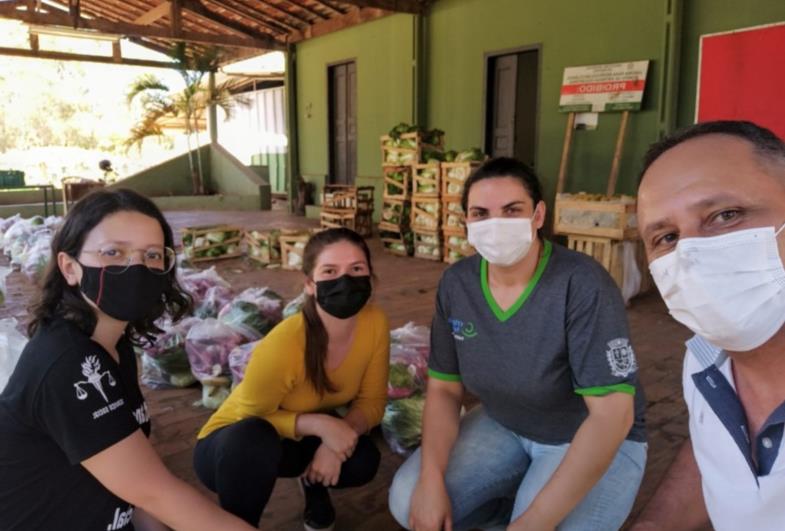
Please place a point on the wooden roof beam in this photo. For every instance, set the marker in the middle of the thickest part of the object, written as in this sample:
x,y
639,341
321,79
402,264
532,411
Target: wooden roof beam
x,y
161,10
261,6
401,6
329,7
63,56
284,12
135,30
307,9
199,9
245,12
352,18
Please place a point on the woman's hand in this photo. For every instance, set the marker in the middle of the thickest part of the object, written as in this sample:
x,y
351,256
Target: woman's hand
x,y
325,468
430,508
338,436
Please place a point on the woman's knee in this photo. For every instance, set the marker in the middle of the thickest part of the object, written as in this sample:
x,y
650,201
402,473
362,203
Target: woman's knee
x,y
251,442
402,488
361,468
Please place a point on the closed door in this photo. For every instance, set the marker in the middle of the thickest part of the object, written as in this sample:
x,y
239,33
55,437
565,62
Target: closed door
x,y
343,123
505,80
511,105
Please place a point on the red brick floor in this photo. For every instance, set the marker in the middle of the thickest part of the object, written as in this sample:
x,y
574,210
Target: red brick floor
x,y
406,291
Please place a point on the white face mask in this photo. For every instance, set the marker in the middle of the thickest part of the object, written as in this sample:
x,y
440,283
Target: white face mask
x,y
728,289
501,241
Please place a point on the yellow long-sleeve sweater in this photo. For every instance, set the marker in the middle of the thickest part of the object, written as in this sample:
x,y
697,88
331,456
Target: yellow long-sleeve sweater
x,y
275,388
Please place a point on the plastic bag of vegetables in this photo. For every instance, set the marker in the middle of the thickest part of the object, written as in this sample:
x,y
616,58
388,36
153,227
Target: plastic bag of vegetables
x,y
12,343
238,361
165,362
215,298
409,351
294,306
253,313
402,424
4,272
37,256
197,282
208,345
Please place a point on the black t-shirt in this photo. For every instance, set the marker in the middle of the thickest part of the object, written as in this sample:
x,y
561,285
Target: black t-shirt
x,y
66,401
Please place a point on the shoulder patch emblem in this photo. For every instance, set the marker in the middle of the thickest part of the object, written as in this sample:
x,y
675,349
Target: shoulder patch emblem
x,y
621,357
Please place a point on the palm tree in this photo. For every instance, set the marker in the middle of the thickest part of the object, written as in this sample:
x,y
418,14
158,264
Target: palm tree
x,y
159,102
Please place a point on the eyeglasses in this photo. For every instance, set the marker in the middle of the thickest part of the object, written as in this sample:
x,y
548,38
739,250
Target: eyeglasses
x,y
159,260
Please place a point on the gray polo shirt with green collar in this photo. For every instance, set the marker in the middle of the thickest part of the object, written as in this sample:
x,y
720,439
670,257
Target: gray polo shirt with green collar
x,y
565,337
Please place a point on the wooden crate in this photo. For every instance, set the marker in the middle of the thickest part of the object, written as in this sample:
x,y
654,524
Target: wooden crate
x,y
608,252
453,217
428,245
396,213
397,182
456,246
576,214
360,222
398,242
199,247
426,180
342,196
426,214
454,175
292,247
409,149
263,246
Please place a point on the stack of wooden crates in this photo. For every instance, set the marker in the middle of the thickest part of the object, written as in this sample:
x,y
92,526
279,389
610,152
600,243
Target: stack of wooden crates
x,y
454,175
348,206
402,230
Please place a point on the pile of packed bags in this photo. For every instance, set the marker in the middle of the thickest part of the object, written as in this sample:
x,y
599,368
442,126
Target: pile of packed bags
x,y
214,345
402,422
27,242
12,342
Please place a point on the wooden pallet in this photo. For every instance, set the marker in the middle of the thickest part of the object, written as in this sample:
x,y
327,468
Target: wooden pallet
x,y
426,214
608,252
263,246
453,217
197,248
397,182
428,245
398,242
394,154
360,222
426,180
454,175
397,213
349,197
292,246
456,250
616,220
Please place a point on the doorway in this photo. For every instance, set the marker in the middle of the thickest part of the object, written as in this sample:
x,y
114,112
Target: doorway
x,y
342,94
511,106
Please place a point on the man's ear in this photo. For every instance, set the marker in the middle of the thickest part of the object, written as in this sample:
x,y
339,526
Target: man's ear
x,y
540,211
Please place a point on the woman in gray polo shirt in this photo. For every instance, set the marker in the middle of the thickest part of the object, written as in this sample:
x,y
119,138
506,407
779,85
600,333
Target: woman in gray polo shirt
x,y
539,334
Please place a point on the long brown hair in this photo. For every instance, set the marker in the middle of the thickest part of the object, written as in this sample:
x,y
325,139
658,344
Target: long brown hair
x,y
57,299
316,338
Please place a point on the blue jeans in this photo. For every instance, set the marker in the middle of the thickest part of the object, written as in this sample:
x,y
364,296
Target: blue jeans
x,y
494,474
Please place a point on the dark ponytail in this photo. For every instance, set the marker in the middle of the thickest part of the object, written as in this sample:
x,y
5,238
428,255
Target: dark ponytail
x,y
316,338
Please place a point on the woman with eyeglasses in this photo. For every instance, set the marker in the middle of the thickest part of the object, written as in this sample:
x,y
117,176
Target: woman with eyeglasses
x,y
74,452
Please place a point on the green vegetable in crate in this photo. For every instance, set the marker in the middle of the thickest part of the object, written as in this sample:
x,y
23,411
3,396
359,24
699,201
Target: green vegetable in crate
x,y
217,237
400,129
470,155
449,156
432,156
188,239
433,136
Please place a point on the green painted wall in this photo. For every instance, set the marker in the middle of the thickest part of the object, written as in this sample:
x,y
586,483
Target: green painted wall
x,y
172,177
276,169
383,52
461,32
228,176
712,16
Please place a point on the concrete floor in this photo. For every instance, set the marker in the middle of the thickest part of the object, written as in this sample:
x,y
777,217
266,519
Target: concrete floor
x,y
406,292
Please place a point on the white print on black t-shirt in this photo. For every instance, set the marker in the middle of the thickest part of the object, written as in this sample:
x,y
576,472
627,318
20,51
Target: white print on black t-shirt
x,y
91,369
141,415
106,409
121,519
621,357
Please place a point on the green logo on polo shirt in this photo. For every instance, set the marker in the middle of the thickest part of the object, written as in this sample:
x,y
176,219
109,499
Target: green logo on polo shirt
x,y
461,330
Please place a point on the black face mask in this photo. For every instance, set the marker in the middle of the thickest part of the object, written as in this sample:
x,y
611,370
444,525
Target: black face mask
x,y
345,296
130,295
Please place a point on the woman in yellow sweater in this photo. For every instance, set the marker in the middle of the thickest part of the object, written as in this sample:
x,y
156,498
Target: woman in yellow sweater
x,y
281,421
